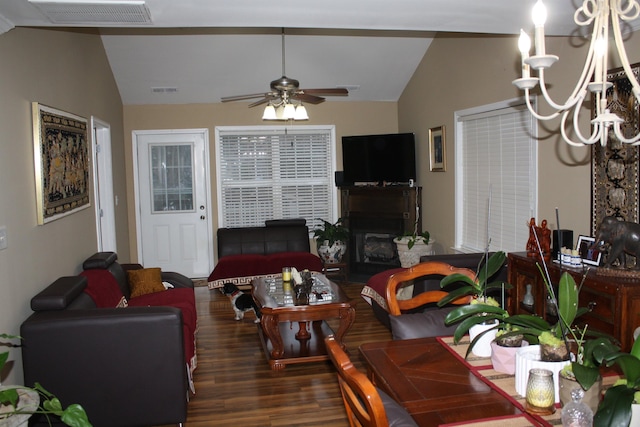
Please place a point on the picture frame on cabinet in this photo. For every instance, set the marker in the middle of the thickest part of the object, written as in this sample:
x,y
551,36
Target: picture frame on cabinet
x,y
588,254
437,151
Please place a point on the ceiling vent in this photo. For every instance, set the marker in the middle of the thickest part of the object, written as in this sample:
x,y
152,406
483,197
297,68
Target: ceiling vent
x,y
89,13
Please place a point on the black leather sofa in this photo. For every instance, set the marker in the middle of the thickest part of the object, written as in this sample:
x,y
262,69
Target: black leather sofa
x,y
245,253
126,366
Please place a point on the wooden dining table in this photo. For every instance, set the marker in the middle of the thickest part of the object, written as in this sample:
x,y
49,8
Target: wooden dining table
x,y
432,384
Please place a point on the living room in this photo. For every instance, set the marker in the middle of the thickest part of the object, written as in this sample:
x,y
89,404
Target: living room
x,y
68,69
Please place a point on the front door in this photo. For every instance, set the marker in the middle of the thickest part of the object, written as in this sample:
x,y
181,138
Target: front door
x,y
173,202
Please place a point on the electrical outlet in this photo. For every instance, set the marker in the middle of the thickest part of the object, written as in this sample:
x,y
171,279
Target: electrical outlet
x,y
3,237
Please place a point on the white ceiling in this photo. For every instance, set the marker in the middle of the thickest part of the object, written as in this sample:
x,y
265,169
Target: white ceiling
x,y
207,49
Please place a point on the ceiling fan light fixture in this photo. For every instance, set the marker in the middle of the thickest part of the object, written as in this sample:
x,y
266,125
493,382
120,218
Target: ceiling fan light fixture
x,y
301,113
269,113
289,111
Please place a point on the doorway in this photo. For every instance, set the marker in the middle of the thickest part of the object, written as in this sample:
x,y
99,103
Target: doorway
x,y
172,197
103,186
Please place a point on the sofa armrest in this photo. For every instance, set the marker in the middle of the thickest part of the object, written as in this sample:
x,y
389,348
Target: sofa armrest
x,y
177,280
124,366
60,294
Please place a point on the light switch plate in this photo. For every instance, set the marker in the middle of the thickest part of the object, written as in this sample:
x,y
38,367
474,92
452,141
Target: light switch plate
x,y
3,238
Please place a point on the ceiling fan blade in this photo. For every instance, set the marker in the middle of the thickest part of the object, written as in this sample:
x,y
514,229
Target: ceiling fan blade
x,y
242,97
338,91
262,101
310,99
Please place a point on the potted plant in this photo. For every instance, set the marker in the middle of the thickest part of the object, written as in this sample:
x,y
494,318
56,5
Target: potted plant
x,y
503,349
22,402
412,246
331,240
483,326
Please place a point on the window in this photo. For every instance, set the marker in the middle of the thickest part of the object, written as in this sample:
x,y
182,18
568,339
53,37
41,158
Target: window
x,y
275,172
496,161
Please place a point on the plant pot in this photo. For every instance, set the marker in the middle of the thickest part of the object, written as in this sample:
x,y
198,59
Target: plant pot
x,y
410,257
635,415
528,358
549,353
482,347
332,254
503,359
591,397
28,402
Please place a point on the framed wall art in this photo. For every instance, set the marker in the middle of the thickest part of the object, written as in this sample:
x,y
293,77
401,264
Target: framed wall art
x,y
614,168
437,154
61,160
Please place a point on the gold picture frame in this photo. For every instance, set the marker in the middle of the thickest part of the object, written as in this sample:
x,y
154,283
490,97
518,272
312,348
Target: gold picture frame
x,y
61,161
437,150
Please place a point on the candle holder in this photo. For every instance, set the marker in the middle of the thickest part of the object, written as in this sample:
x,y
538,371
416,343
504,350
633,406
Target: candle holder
x,y
540,397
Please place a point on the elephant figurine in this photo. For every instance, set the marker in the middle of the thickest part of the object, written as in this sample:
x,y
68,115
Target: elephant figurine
x,y
622,237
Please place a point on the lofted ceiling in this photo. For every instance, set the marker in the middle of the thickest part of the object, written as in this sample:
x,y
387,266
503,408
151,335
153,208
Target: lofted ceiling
x,y
197,51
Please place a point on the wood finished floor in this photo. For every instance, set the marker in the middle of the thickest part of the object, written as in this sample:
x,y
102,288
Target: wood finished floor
x,y
235,386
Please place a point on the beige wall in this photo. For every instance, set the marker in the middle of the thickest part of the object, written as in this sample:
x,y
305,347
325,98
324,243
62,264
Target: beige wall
x,y
68,71
465,71
349,118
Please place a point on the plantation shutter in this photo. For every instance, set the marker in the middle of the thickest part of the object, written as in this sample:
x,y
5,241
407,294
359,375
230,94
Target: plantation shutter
x,y
496,157
267,173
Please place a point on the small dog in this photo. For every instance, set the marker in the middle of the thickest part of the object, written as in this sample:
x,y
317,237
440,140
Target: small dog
x,y
240,301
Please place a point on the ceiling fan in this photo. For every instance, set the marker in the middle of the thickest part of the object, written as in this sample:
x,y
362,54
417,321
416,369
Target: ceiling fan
x,y
287,96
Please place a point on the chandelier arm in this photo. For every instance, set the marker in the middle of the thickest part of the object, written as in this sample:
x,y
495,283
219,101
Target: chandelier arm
x,y
534,113
626,14
595,134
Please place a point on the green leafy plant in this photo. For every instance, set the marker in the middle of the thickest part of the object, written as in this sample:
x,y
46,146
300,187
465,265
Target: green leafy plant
x,y
479,286
412,238
73,415
615,408
331,233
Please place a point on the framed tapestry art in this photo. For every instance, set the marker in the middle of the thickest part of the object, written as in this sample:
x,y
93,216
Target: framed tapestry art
x,y
61,160
614,168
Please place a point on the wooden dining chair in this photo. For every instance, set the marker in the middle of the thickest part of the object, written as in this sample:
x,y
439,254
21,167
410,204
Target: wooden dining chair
x,y
366,405
429,268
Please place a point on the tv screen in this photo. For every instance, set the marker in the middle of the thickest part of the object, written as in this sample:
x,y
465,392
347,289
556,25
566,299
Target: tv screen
x,y
389,158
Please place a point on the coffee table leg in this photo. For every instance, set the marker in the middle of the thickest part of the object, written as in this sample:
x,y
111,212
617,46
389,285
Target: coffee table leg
x,y
271,328
347,317
303,333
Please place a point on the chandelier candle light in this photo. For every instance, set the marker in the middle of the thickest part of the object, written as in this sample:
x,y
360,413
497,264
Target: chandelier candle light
x,y
594,73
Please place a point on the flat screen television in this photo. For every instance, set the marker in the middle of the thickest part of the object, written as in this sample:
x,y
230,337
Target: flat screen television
x,y
377,159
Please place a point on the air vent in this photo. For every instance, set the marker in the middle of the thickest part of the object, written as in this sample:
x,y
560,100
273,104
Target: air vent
x,y
94,12
164,89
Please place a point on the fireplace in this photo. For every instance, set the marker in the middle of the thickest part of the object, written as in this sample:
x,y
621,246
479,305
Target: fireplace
x,y
375,216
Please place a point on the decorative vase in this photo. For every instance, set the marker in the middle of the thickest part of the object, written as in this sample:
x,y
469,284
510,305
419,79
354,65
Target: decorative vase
x,y
482,347
410,257
331,254
591,397
528,297
503,358
28,402
528,358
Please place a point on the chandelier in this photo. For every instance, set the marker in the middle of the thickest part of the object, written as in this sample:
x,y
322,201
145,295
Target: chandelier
x,y
594,74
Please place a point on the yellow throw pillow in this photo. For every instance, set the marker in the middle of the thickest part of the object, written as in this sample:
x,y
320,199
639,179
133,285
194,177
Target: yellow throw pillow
x,y
145,281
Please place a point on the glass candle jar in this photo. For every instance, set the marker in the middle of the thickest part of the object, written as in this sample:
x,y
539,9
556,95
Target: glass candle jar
x,y
286,274
540,397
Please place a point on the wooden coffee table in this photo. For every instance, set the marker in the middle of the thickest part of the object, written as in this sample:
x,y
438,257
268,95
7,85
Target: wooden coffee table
x,y
284,343
432,384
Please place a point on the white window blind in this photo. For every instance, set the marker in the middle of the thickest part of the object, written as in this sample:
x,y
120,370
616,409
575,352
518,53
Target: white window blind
x,y
496,159
271,173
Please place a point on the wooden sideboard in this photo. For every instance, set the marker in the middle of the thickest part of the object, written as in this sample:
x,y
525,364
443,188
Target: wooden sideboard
x,y
615,301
